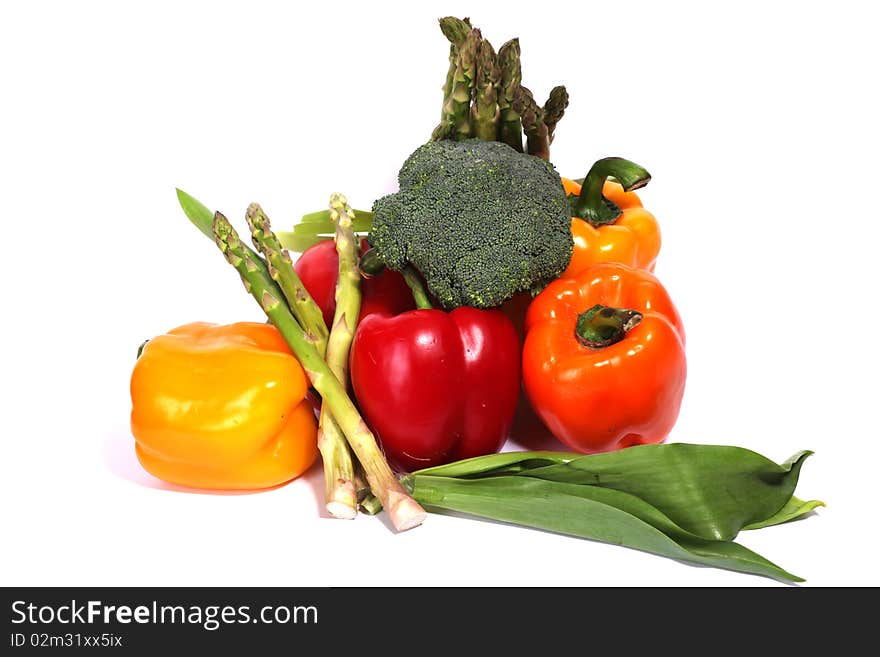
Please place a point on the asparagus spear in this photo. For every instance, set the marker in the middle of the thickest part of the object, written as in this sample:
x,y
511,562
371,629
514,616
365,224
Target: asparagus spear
x,y
203,219
340,492
304,308
554,108
367,502
484,111
537,135
456,30
459,105
403,511
510,125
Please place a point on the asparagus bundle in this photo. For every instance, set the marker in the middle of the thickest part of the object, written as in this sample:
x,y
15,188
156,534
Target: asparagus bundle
x,y
483,96
277,288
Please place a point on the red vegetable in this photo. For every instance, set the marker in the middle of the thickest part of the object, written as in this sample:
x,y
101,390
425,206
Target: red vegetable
x,y
318,268
436,386
604,359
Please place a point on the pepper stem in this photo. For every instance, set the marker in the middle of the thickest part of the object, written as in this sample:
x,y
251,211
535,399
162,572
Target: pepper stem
x,y
591,205
601,326
420,294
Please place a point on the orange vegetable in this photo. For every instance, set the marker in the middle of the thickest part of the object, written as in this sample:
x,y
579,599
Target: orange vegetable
x,y
604,359
608,222
222,406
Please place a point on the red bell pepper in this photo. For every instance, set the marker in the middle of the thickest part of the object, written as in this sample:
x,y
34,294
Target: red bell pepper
x,y
318,268
437,386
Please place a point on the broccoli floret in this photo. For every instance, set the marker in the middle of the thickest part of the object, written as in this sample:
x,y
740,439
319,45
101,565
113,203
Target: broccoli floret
x,y
479,220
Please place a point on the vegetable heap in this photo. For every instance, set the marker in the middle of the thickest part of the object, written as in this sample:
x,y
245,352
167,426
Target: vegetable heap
x,y
485,275
272,281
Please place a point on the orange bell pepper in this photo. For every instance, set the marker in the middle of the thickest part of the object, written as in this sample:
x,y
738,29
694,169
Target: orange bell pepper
x,y
604,358
222,406
608,222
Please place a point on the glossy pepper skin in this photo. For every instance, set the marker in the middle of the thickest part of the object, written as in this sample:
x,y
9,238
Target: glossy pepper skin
x,y
633,238
318,268
222,407
437,386
601,398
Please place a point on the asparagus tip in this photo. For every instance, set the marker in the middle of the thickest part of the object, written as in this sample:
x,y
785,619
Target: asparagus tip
x,y
339,203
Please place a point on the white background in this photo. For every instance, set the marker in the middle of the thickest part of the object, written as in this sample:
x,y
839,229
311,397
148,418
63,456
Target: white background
x,y
757,121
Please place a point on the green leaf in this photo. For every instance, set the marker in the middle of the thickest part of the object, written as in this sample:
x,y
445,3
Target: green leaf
x,y
503,463
317,227
794,509
313,227
679,500
298,243
712,491
201,217
588,512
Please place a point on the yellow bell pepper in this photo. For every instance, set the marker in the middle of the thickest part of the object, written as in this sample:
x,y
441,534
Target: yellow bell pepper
x,y
222,406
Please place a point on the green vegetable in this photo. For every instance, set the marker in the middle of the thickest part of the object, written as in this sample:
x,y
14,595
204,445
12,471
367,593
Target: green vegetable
x,y
456,30
794,509
304,308
678,500
200,216
312,228
484,110
203,219
403,511
510,124
537,131
339,486
554,108
478,220
481,91
317,227
458,105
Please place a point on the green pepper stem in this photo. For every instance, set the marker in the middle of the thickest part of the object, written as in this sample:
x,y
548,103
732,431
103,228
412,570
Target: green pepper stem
x,y
591,205
601,326
420,294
